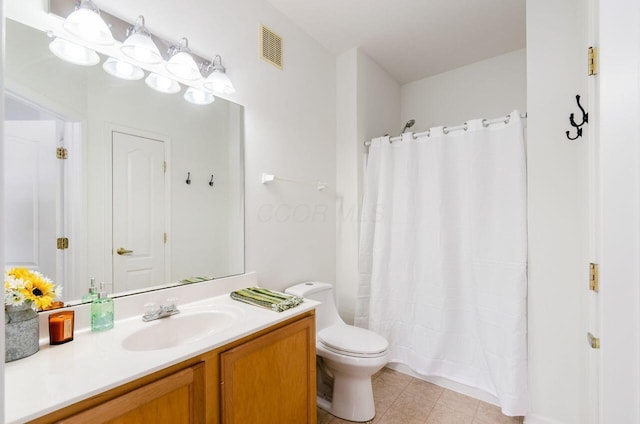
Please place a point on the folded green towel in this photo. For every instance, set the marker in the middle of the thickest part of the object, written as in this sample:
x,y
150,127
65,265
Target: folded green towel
x,y
266,298
195,279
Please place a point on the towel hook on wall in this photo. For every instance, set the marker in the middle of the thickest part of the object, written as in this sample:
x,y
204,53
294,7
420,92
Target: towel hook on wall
x,y
188,180
211,182
585,120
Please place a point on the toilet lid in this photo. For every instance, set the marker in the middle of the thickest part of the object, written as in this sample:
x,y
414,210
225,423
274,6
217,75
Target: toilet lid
x,y
350,339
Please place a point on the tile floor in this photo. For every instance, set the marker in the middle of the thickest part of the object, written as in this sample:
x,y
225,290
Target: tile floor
x,y
402,399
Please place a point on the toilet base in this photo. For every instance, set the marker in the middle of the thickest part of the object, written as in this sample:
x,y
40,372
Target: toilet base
x,y
323,404
352,398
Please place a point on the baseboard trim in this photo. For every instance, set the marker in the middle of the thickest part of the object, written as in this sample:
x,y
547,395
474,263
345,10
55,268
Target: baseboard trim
x,y
537,419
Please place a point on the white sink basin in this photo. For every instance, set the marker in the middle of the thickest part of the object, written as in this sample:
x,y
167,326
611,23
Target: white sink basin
x,y
190,325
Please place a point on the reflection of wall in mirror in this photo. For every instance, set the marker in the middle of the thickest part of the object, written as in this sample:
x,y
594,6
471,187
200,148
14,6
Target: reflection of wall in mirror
x,y
197,140
205,235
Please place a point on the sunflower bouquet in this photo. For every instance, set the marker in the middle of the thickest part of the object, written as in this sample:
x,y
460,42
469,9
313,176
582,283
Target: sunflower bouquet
x,y
23,285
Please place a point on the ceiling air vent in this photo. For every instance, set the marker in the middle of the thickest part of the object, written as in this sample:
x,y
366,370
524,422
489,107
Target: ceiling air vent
x,y
270,47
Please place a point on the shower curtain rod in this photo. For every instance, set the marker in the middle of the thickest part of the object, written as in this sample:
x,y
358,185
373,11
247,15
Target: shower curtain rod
x,y
447,130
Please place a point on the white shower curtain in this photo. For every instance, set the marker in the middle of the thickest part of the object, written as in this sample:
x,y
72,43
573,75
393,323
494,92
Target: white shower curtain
x,y
443,255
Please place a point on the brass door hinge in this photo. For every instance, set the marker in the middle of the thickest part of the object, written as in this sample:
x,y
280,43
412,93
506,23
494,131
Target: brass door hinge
x,y
165,237
594,277
164,166
593,341
62,243
62,153
592,63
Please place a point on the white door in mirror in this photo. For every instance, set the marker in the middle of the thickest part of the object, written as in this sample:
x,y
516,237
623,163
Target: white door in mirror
x,y
138,212
32,178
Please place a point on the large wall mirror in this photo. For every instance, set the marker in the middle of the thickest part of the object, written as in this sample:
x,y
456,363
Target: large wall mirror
x,y
150,193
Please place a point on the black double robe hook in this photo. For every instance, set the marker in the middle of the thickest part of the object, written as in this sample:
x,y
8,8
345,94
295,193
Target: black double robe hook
x,y
188,180
585,120
578,134
211,182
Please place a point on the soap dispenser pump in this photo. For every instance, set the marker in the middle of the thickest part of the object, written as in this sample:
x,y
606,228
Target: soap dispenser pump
x,y
102,311
93,292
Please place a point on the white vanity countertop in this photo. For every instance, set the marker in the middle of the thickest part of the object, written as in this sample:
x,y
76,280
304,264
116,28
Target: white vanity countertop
x,y
58,376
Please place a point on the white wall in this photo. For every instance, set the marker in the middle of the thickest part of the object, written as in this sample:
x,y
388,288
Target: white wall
x,y
367,106
619,159
347,183
558,222
485,89
289,131
379,100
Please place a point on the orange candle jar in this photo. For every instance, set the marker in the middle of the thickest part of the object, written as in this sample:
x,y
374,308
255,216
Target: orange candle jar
x,y
60,327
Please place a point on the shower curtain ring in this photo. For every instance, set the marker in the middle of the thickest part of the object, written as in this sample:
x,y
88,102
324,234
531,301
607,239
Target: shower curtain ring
x,y
445,130
485,123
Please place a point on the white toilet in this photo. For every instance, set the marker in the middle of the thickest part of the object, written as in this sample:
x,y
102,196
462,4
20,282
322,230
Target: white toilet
x,y
351,354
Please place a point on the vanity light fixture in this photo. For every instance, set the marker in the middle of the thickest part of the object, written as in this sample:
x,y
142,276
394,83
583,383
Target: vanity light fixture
x,y
140,52
198,97
73,53
162,84
181,64
122,70
139,45
85,23
218,81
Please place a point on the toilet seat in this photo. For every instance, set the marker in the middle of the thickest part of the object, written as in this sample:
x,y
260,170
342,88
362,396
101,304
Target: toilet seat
x,y
352,341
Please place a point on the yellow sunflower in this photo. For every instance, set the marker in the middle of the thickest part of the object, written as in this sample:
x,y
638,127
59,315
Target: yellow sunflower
x,y
32,286
20,273
40,292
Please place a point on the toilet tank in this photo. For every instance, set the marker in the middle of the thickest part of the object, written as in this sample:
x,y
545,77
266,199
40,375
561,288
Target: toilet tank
x,y
326,312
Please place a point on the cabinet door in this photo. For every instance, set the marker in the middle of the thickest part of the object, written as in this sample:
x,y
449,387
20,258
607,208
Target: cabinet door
x,y
271,379
176,399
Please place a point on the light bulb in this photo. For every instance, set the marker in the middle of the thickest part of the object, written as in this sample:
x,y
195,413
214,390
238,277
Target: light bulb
x,y
73,53
198,97
162,84
219,82
123,70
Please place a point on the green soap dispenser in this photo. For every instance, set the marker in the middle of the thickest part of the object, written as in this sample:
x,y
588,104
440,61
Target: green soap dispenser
x,y
102,311
93,292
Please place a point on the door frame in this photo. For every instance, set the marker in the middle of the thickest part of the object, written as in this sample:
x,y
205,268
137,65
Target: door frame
x,y
110,128
592,298
619,209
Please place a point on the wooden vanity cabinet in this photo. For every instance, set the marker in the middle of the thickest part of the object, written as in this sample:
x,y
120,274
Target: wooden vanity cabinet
x,y
264,378
267,380
176,399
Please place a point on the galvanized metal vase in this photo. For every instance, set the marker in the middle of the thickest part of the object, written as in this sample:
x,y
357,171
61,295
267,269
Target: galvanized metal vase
x,y
21,331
